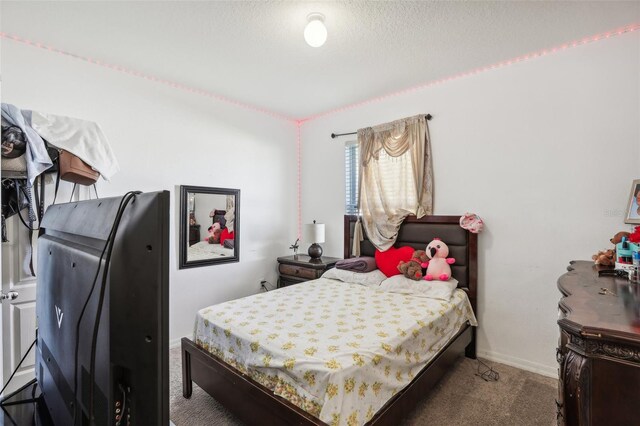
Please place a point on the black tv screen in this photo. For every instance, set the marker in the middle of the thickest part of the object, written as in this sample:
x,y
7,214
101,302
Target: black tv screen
x,y
130,368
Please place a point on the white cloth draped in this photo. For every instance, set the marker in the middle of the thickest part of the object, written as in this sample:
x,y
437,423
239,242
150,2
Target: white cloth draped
x,y
82,138
230,216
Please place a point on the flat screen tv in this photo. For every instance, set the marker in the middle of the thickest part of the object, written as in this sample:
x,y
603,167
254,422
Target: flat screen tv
x,y
102,311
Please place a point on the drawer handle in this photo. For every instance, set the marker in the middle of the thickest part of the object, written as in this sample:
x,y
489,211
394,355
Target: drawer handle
x,y
598,335
297,271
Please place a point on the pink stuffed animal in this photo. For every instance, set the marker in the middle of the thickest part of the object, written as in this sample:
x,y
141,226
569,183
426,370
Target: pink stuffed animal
x,y
214,234
438,266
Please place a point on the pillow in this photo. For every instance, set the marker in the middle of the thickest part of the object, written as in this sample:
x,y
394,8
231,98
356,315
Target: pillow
x,y
431,289
367,279
358,264
388,260
226,235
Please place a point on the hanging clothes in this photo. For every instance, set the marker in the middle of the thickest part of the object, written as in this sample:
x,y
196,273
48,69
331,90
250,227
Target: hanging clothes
x,y
82,138
37,158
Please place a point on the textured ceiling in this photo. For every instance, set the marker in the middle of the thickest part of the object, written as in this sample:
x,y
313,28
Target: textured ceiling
x,y
254,52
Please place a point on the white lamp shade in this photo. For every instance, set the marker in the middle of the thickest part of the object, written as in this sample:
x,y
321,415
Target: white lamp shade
x,y
314,233
315,33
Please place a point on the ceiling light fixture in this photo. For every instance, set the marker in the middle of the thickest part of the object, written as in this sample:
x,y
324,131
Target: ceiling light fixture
x,y
315,33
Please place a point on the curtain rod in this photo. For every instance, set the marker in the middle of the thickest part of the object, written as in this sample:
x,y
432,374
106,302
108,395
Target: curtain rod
x,y
335,135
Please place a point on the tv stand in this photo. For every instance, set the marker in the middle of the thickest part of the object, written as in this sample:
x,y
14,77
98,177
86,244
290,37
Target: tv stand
x,y
23,407
7,401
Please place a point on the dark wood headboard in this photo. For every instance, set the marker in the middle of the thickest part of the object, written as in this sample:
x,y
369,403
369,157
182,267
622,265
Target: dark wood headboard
x,y
417,233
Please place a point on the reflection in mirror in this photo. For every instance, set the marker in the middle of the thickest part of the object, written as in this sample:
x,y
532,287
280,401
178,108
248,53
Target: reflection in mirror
x,y
209,226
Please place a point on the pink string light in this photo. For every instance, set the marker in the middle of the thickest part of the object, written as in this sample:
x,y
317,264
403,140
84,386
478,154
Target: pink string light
x,y
475,71
215,96
153,78
299,152
300,122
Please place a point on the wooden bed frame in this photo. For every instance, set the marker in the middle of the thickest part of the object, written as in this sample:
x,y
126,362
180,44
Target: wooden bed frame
x,y
255,404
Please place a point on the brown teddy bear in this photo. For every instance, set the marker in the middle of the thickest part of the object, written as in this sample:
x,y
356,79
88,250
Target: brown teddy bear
x,y
410,269
605,258
618,237
413,268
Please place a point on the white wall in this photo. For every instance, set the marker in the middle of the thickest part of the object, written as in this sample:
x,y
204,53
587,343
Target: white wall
x,y
545,151
159,135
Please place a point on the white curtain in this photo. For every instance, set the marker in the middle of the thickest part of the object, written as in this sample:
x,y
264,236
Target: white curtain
x,y
396,178
230,216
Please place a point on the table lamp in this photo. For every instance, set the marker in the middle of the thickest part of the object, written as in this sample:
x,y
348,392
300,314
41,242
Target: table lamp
x,y
315,233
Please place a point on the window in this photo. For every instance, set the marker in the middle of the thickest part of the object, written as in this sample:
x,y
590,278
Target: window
x,y
392,181
351,172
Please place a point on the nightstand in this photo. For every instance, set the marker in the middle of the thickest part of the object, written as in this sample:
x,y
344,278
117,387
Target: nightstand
x,y
300,268
194,234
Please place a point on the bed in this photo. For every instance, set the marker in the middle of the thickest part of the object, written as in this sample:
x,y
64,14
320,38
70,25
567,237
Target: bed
x,y
346,362
202,250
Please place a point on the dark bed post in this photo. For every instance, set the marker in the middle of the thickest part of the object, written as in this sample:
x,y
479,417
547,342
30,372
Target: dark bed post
x,y
187,384
347,235
470,351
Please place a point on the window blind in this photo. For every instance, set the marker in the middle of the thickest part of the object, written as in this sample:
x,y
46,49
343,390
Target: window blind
x,y
351,170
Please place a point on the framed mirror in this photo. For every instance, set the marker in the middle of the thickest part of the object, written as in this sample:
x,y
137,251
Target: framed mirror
x,y
209,226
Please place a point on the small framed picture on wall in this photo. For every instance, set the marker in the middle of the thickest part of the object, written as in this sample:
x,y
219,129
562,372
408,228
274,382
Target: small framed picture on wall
x,y
633,209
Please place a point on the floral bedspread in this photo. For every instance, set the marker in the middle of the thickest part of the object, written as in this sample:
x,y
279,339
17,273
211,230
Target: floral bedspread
x,y
337,350
204,251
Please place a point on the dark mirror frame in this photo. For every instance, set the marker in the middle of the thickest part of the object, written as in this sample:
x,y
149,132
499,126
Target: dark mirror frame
x,y
184,220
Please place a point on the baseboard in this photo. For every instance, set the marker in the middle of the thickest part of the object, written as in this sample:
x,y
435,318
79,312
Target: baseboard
x,y
520,363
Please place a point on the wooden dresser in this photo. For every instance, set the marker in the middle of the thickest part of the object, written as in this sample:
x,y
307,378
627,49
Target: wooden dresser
x,y
599,349
300,268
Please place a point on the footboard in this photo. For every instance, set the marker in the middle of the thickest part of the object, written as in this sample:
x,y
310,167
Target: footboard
x,y
246,398
255,404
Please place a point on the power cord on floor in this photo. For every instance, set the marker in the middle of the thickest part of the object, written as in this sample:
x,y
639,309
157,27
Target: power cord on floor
x,y
264,287
486,373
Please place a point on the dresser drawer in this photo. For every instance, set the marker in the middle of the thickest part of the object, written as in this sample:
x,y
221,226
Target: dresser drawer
x,y
285,281
297,271
300,268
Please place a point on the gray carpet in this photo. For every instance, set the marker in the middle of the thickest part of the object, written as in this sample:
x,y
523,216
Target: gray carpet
x,y
460,398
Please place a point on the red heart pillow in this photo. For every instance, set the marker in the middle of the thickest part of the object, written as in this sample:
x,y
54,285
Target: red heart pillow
x,y
387,261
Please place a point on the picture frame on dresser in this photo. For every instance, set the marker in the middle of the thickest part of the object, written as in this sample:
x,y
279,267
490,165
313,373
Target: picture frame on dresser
x,y
633,206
